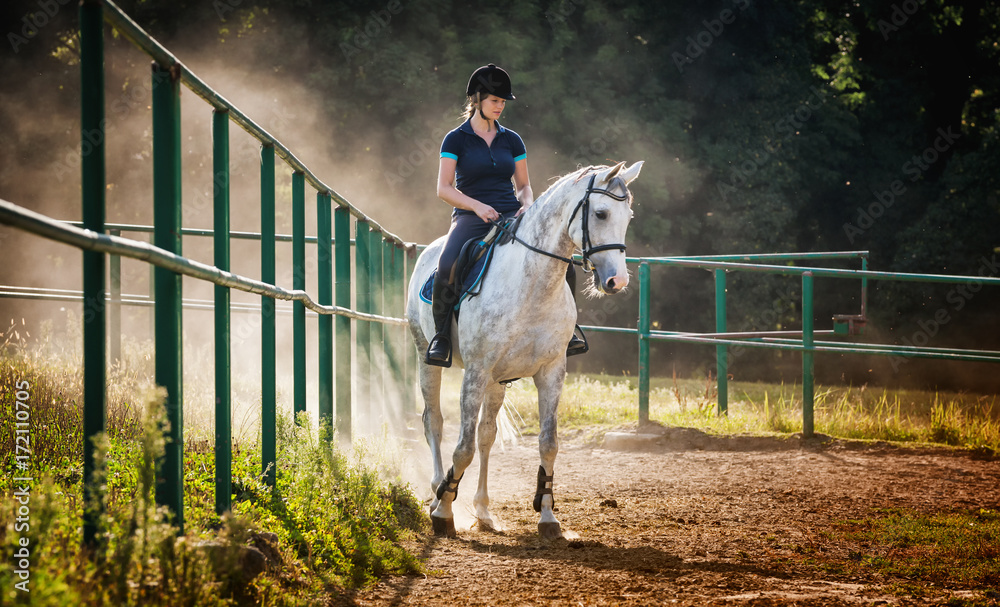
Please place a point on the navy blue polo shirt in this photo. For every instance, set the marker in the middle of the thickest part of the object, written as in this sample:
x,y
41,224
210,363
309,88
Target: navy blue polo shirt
x,y
484,172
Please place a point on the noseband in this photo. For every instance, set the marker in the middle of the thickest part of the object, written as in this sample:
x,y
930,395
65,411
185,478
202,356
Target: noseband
x,y
588,246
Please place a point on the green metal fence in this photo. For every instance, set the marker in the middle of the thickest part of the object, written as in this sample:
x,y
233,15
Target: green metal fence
x,y
804,340
383,361
378,292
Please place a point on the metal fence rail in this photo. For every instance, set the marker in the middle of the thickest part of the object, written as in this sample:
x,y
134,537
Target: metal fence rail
x,y
803,341
36,223
377,287
383,362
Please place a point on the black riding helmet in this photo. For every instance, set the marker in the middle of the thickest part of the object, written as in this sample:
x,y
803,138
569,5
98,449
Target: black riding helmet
x,y
490,80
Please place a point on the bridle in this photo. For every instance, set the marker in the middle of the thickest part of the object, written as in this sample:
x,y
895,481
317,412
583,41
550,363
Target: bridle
x,y
584,204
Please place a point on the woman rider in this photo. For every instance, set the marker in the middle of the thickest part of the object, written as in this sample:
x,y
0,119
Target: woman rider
x,y
478,160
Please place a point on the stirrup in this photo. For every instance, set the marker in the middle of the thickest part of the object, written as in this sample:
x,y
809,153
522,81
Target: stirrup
x,y
576,344
438,361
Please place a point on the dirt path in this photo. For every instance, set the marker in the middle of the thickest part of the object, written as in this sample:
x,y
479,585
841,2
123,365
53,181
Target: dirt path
x,y
675,525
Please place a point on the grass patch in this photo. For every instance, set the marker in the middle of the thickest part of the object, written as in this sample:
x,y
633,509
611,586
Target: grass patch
x,y
599,403
956,550
338,516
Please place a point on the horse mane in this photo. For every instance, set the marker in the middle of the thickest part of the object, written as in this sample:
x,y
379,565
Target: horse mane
x,y
575,176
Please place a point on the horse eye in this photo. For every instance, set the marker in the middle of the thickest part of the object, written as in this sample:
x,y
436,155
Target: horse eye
x,y
601,214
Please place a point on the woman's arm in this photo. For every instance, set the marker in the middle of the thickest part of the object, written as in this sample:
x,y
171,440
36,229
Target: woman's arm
x,y
447,192
522,185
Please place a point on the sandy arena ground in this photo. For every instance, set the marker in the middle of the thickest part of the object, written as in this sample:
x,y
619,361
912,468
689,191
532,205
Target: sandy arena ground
x,y
687,520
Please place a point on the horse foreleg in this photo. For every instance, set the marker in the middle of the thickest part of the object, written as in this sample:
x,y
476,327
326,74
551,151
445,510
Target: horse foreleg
x,y
430,387
473,389
487,435
549,382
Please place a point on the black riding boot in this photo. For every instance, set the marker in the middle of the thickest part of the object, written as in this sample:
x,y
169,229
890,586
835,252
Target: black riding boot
x,y
576,344
443,301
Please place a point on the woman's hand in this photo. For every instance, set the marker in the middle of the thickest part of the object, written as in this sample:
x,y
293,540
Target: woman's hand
x,y
486,212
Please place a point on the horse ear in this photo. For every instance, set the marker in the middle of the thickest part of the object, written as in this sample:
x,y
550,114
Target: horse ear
x,y
612,172
631,173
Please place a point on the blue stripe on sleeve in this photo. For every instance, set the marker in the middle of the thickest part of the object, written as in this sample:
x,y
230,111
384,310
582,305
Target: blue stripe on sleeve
x,y
519,158
449,155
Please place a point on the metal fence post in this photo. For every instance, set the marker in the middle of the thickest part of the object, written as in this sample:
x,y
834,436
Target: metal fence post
x,y
168,321
721,351
115,309
268,330
342,257
324,283
807,354
93,198
376,403
299,283
410,351
644,297
403,407
223,350
362,328
391,277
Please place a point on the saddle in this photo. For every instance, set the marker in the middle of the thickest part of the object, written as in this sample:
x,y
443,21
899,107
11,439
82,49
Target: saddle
x,y
473,261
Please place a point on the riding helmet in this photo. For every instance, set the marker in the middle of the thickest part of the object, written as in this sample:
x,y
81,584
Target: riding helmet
x,y
491,80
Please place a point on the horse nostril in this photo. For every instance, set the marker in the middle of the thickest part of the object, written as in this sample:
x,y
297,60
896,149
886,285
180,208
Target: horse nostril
x,y
611,284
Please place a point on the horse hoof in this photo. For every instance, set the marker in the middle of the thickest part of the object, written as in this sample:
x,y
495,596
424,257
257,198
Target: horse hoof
x,y
443,527
550,531
486,524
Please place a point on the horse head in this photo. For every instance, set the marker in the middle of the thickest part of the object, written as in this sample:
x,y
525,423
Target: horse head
x,y
598,224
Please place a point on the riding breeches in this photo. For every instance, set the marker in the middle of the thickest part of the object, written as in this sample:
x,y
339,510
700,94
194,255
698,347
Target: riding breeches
x,y
463,228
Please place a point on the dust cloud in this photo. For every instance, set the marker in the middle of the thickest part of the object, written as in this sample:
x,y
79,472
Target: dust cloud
x,y
40,170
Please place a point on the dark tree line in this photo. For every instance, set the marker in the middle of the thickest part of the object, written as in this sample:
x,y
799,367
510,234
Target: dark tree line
x,y
766,126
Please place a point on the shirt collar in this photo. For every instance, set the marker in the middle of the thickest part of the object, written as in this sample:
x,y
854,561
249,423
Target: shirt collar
x,y
467,127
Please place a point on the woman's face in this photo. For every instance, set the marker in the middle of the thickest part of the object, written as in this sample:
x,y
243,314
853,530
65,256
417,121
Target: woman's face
x,y
493,106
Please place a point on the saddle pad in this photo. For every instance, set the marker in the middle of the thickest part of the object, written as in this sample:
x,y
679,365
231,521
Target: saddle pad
x,y
471,281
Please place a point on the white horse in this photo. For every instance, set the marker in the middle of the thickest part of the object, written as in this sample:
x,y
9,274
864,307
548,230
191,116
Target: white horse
x,y
519,325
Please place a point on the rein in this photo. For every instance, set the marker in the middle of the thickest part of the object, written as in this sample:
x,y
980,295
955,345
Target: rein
x,y
588,248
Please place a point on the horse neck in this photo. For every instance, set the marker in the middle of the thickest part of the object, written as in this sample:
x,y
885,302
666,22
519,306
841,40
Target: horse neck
x,y
546,226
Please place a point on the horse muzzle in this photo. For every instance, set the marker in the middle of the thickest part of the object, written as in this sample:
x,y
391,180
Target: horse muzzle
x,y
612,284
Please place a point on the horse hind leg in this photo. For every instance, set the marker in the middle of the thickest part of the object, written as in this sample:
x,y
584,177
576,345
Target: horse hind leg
x,y
487,436
473,390
430,387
